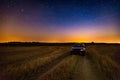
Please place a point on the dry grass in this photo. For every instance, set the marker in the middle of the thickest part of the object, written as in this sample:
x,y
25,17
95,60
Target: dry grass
x,y
14,71
103,56
62,71
12,54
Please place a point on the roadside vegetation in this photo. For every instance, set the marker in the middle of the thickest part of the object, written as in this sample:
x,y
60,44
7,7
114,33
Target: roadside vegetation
x,y
16,55
30,66
104,56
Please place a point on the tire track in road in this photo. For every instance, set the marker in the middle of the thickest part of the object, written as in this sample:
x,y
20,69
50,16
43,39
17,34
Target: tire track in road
x,y
85,70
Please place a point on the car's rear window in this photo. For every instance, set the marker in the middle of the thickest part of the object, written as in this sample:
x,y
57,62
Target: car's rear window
x,y
78,45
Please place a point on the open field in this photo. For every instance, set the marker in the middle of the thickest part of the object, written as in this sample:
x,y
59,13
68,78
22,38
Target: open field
x,y
107,59
102,62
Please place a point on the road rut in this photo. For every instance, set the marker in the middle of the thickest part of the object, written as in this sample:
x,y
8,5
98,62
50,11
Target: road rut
x,y
85,70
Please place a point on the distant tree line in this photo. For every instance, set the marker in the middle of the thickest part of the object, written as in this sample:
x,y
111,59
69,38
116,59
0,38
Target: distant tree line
x,y
34,44
49,44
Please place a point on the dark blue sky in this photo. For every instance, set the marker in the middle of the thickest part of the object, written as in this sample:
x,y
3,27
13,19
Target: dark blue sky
x,y
39,18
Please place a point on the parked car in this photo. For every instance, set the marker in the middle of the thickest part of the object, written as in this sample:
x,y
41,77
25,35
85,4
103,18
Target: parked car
x,y
78,49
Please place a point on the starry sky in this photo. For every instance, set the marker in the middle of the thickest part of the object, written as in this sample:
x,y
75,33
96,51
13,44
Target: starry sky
x,y
60,20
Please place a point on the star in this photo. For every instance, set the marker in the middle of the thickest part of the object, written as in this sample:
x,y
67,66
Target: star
x,y
22,10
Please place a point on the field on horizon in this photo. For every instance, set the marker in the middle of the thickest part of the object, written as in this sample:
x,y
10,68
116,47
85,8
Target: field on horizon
x,y
101,62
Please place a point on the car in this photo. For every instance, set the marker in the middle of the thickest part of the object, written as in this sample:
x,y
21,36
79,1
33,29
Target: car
x,y
78,49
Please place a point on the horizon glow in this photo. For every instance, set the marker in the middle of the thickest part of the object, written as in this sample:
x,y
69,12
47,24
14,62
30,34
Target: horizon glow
x,y
60,21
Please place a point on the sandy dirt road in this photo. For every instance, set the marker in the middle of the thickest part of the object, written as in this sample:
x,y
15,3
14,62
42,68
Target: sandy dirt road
x,y
85,70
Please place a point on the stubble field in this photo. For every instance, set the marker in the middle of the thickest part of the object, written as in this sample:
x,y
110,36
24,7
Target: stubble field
x,y
101,62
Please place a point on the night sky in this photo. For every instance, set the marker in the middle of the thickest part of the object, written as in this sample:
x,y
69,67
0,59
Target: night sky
x,y
60,20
